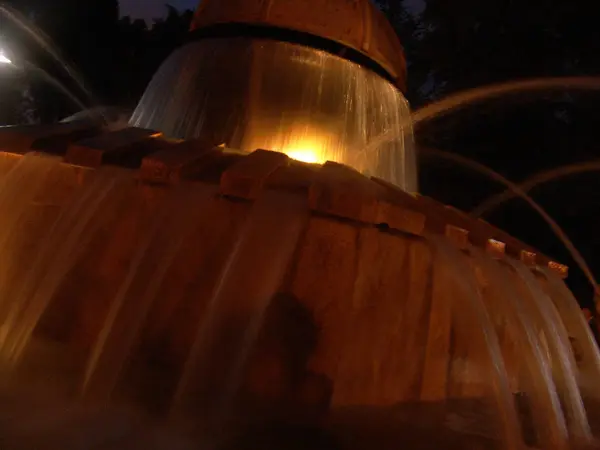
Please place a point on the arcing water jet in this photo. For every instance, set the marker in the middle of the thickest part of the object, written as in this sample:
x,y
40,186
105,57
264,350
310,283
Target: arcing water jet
x,y
240,296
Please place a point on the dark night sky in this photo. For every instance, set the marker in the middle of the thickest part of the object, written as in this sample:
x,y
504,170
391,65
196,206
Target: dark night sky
x,y
149,9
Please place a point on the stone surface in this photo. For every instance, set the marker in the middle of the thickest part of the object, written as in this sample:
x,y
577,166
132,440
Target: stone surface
x,y
174,164
48,138
124,147
247,178
369,312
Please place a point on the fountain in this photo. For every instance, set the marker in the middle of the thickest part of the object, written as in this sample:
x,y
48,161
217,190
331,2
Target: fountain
x,y
170,275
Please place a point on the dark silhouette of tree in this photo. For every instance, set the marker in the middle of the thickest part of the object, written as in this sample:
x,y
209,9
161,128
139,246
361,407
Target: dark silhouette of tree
x,y
408,29
472,43
115,56
161,40
85,35
468,43
12,89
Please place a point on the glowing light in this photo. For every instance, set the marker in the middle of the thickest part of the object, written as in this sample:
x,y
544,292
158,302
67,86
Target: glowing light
x,y
4,59
306,147
304,155
299,141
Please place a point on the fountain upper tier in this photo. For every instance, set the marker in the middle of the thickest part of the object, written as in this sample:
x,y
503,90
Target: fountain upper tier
x,y
280,75
262,93
363,33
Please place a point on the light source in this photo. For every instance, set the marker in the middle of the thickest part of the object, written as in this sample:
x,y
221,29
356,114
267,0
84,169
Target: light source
x,y
4,59
300,142
306,155
307,148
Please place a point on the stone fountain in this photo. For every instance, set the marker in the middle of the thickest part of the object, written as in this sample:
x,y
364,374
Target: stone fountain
x,y
262,298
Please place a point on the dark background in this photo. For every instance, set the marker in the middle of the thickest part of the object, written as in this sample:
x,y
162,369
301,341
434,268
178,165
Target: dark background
x,y
450,46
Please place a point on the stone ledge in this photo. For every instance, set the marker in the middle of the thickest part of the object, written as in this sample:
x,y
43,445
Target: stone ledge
x,y
247,178
332,189
125,147
177,163
52,139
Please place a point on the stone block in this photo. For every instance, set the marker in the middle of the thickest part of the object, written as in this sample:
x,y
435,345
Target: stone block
x,y
126,147
247,178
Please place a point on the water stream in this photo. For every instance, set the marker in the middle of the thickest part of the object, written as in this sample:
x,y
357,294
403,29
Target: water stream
x,y
529,330
495,176
533,376
534,181
307,103
556,339
46,45
64,244
484,366
471,97
129,310
509,343
54,82
577,327
517,366
250,279
18,189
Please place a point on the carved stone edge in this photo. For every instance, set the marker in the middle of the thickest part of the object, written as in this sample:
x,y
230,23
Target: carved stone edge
x,y
127,147
336,190
53,139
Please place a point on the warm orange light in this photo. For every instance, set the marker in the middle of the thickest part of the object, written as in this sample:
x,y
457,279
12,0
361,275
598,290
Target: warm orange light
x,y
304,155
305,143
308,148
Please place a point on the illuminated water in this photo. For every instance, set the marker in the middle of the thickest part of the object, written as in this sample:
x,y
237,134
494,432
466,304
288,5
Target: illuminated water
x,y
151,304
279,96
267,244
471,97
534,181
47,46
486,171
45,76
99,269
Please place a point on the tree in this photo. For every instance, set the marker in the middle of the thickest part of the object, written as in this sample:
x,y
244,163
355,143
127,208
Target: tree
x,y
469,43
481,42
409,30
152,45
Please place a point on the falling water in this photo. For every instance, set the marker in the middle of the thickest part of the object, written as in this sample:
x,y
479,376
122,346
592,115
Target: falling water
x,y
548,322
577,327
529,345
504,336
486,366
307,103
480,168
250,279
45,44
129,309
495,306
470,97
18,189
522,350
61,248
60,87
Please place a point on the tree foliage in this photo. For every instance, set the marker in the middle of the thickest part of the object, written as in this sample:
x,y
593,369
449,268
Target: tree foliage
x,y
467,43
116,56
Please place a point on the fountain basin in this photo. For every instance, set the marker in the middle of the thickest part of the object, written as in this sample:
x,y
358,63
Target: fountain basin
x,y
189,280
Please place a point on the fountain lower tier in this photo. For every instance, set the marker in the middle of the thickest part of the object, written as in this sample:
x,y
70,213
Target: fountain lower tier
x,y
192,281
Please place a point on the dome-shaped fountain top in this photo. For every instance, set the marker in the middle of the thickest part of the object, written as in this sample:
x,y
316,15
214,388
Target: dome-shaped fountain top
x,y
359,27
